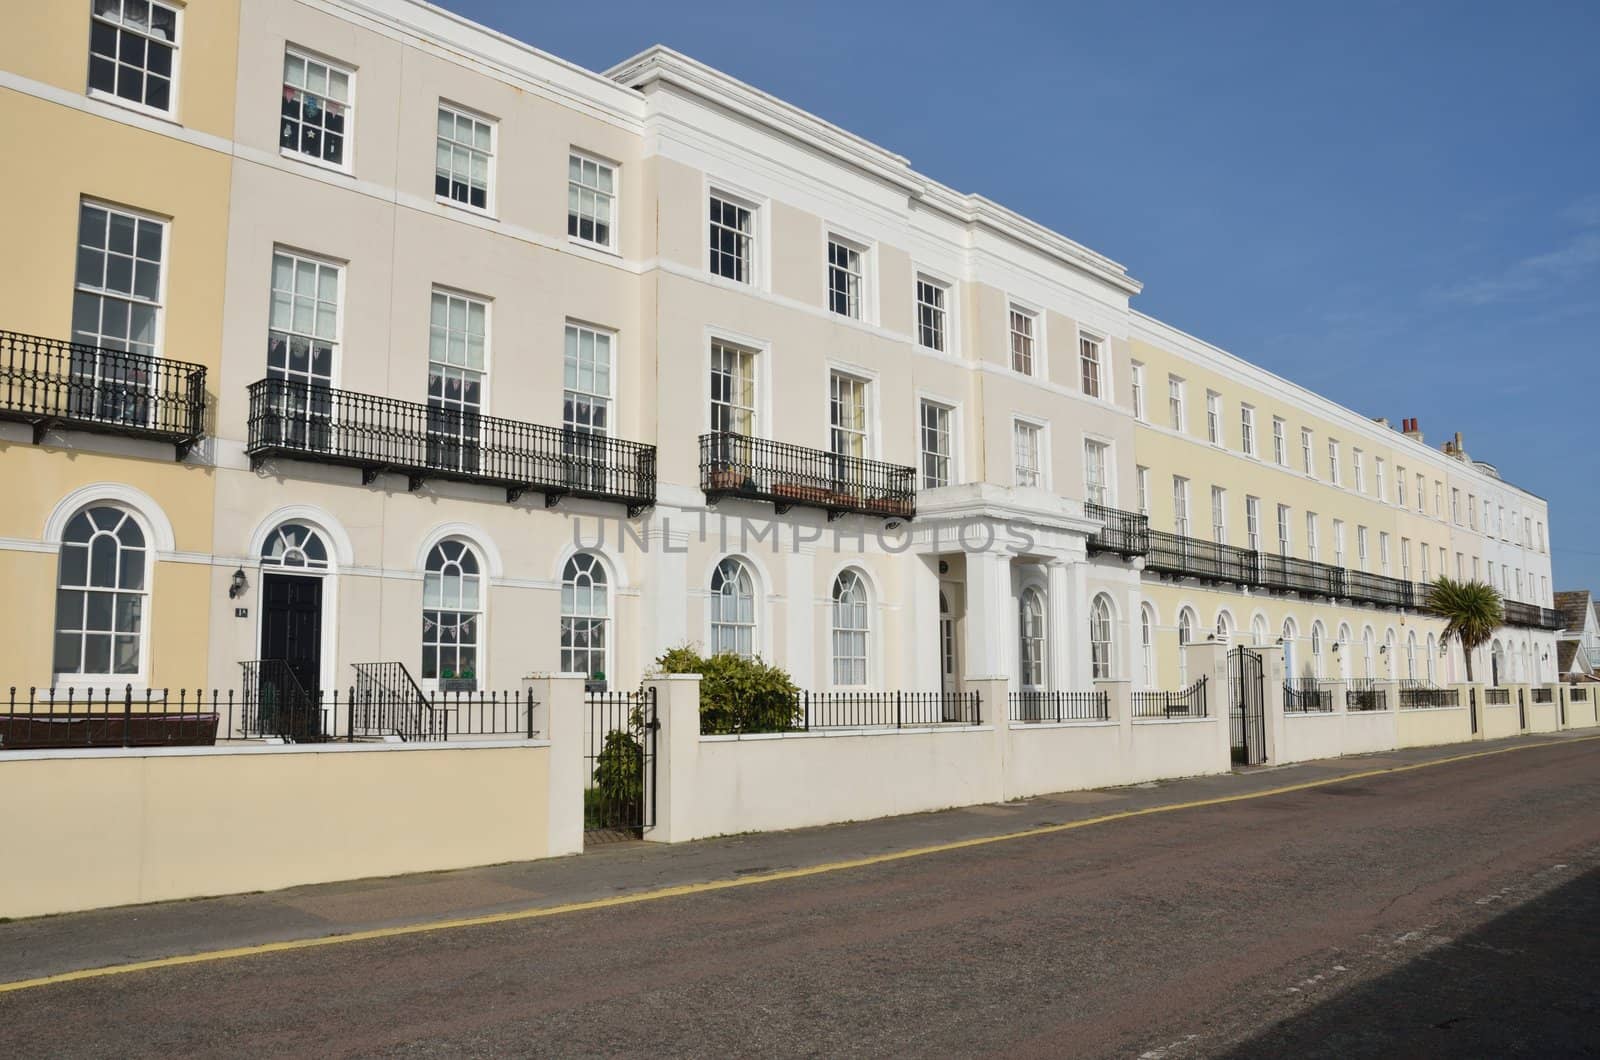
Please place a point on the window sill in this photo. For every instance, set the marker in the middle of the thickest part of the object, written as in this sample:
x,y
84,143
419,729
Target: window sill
x,y
598,248
169,116
315,163
464,207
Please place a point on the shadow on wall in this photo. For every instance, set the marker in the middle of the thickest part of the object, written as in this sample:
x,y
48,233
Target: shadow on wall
x,y
1521,985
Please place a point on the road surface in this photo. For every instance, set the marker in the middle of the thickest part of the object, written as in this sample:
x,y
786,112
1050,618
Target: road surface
x,y
1450,910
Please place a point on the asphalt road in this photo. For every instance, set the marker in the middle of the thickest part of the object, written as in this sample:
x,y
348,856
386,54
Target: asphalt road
x,y
1453,910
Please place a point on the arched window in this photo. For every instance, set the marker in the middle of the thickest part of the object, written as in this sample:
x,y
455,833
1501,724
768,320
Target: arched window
x,y
1030,654
295,545
1258,630
101,594
852,621
1497,663
1147,645
733,609
452,612
1433,655
1186,624
585,614
1224,627
1367,663
1342,647
1316,650
1100,638
1290,633
1390,646
1411,656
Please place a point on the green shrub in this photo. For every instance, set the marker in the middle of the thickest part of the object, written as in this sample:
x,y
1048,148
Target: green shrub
x,y
618,792
737,694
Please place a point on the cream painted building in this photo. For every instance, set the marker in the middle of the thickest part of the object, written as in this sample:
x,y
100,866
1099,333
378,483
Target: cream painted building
x,y
511,366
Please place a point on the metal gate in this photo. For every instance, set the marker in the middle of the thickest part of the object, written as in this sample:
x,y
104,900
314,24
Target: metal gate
x,y
1247,714
619,783
1472,703
1522,709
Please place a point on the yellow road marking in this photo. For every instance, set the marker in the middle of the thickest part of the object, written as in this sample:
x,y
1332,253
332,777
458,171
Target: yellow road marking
x,y
681,890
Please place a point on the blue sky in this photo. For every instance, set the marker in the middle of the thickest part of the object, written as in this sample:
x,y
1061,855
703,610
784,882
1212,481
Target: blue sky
x,y
1397,205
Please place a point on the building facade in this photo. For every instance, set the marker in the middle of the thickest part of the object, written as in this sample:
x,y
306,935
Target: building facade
x,y
494,365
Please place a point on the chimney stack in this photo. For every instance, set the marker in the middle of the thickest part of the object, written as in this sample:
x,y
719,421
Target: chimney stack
x,y
1411,428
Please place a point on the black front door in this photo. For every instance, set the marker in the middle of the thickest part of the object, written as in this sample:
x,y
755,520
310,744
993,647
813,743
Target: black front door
x,y
291,626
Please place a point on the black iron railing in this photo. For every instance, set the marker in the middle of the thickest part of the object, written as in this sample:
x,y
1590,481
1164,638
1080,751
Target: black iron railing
x,y
1543,695
277,703
619,787
1377,589
386,701
1191,557
1423,696
1122,533
1293,575
48,383
1365,694
1531,616
379,435
40,718
1497,697
733,465
858,710
1305,695
1060,706
1578,694
1186,703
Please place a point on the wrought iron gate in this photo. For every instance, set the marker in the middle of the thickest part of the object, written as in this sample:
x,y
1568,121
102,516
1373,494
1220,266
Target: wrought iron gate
x,y
619,785
1247,714
1522,709
1472,703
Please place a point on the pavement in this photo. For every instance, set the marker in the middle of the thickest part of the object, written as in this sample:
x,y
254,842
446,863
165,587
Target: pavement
x,y
1376,905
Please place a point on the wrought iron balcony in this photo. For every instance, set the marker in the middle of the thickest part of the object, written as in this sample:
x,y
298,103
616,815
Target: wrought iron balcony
x,y
47,384
1532,616
1123,533
1291,575
1190,557
734,465
379,435
1377,589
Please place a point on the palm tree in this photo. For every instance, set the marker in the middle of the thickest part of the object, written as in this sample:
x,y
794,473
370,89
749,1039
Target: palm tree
x,y
1471,612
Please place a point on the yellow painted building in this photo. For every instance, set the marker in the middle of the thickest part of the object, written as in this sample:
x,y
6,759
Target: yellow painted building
x,y
121,201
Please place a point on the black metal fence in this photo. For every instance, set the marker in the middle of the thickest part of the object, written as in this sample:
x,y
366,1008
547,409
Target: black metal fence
x,y
619,787
41,718
1186,703
886,710
379,434
1517,613
735,465
1060,706
1543,695
1124,533
49,383
1425,696
1578,694
1306,695
1497,697
1193,558
1365,694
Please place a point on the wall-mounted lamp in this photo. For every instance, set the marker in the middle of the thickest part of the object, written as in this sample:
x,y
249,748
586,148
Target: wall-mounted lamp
x,y
1335,645
1384,650
237,584
1280,642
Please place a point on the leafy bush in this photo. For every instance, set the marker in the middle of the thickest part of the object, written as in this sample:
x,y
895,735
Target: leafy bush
x,y
618,790
737,694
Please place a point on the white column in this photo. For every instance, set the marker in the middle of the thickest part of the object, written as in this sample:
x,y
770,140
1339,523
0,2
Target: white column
x,y
560,715
1081,666
677,747
800,646
666,585
1062,643
919,623
991,615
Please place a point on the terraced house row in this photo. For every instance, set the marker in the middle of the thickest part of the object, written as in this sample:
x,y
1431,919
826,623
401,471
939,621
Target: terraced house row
x,y
351,332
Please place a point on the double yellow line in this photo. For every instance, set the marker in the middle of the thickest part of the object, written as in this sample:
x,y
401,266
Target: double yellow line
x,y
682,890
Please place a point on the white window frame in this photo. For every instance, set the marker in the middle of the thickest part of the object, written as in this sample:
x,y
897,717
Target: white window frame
x,y
863,276
171,112
844,637
1280,442
129,298
1177,403
1088,340
1141,477
1338,542
145,596
1016,310
1219,515
1213,417
1105,486
606,399
1252,523
347,165
1361,548
1180,505
1285,532
1019,471
1383,552
757,356
1136,386
491,184
337,342
1247,429
945,310
1308,452
1313,542
1359,467
1333,461
587,158
755,239
951,459
718,626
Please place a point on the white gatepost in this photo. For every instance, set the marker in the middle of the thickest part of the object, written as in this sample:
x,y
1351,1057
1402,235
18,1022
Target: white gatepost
x,y
1273,675
1209,659
558,713
677,750
994,711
